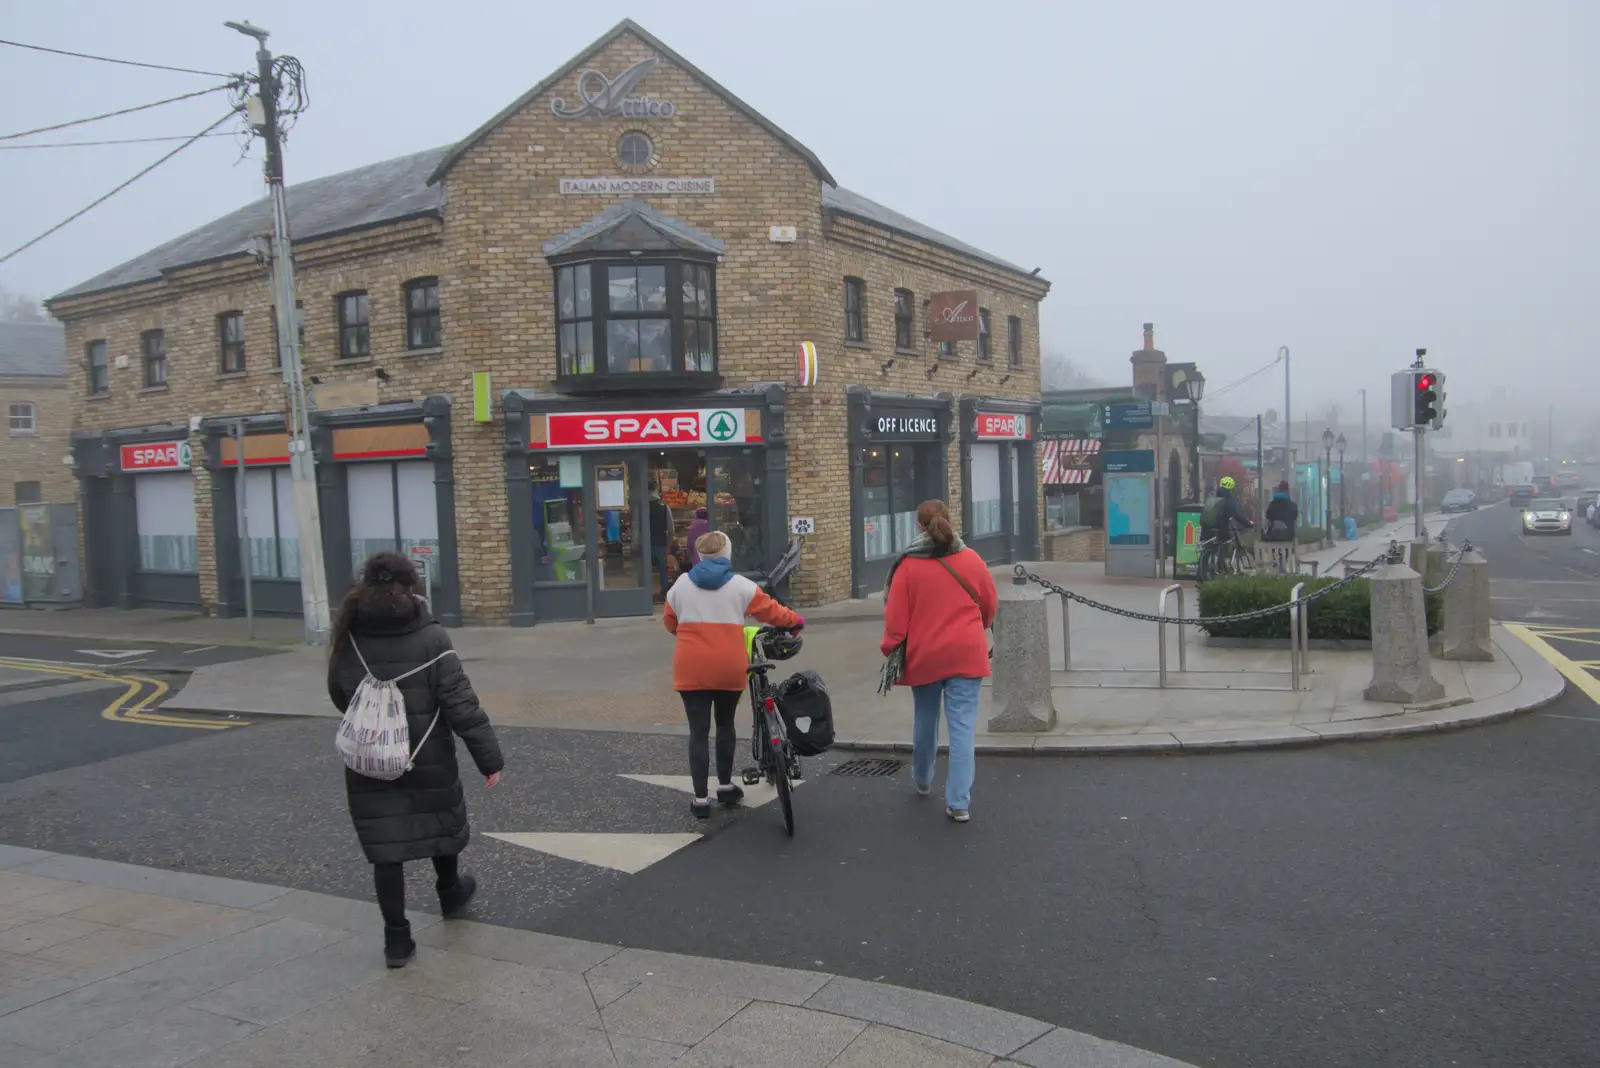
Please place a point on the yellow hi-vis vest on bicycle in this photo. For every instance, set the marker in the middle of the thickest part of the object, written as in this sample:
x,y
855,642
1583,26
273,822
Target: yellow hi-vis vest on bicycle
x,y
750,642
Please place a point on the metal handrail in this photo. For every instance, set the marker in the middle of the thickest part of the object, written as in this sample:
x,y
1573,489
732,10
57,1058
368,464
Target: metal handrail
x,y
1161,633
1066,633
1297,628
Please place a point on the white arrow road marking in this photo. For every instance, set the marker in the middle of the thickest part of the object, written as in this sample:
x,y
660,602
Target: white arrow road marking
x,y
630,853
754,796
115,654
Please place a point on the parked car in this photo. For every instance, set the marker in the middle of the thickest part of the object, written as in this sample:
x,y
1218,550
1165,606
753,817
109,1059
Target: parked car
x,y
1520,496
1548,515
1584,501
1459,500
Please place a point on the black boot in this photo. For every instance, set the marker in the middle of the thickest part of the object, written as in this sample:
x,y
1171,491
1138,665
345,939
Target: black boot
x,y
398,948
454,898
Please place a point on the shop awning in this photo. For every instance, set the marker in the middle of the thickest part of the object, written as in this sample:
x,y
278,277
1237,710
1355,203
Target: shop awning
x,y
1069,461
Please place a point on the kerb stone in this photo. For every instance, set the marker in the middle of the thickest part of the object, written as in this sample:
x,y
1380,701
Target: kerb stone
x,y
1022,698
1402,670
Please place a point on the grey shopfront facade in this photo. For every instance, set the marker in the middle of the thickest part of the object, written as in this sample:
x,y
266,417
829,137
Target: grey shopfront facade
x,y
579,476
898,445
999,478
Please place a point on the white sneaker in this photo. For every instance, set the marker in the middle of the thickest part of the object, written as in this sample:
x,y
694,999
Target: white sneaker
x,y
960,815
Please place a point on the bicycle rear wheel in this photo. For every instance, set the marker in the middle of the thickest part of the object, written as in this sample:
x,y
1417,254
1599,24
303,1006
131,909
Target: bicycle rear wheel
x,y
779,757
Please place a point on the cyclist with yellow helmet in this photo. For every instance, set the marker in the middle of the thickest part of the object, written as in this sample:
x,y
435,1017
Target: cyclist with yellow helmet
x,y
1222,513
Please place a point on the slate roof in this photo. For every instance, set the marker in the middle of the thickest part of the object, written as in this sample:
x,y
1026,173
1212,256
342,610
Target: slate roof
x,y
844,202
34,349
366,196
676,232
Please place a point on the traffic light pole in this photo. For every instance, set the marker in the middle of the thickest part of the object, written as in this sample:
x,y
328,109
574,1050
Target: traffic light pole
x,y
1420,532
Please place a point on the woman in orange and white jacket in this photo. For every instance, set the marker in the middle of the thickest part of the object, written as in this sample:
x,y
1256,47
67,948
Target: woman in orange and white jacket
x,y
706,609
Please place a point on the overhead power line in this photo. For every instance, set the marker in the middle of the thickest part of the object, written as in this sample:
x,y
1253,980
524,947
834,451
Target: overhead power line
x,y
93,144
108,59
101,200
122,111
1214,394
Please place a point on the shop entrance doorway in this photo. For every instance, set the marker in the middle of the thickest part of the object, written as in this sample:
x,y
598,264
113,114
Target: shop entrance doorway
x,y
618,535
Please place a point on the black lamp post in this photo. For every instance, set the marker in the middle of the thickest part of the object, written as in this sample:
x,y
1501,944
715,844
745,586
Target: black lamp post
x,y
1186,384
1343,511
1327,467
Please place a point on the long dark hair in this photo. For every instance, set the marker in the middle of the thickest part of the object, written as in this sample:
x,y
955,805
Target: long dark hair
x,y
935,519
385,589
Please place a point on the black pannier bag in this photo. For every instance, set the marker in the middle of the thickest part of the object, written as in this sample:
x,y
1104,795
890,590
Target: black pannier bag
x,y
807,712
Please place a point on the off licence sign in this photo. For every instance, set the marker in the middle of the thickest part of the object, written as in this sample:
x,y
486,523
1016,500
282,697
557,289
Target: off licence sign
x,y
1002,425
156,456
598,430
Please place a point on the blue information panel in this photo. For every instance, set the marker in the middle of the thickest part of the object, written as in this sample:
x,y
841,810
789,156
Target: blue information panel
x,y
1128,511
1128,461
1135,415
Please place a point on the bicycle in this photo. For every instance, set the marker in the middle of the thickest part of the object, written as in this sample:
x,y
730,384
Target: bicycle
x,y
1223,556
776,760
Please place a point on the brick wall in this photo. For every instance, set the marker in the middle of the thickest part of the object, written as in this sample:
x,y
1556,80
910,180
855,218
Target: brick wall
x,y
36,457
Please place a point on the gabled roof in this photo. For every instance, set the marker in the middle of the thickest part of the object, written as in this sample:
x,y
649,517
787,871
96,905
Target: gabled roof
x,y
350,200
628,26
843,202
33,349
633,224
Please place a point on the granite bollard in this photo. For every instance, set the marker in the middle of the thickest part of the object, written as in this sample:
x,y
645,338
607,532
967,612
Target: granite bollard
x,y
1464,634
1402,670
1021,667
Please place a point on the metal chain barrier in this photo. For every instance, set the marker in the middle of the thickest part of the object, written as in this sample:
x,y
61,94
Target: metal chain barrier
x,y
1466,547
1200,621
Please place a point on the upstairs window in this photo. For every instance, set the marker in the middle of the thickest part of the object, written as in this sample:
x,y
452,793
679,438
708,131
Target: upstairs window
x,y
28,493
640,316
153,347
230,342
855,310
355,336
99,366
903,301
985,352
422,314
19,417
1014,341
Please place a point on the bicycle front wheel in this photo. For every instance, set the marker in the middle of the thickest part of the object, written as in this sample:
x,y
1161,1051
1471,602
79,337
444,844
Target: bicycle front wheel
x,y
779,757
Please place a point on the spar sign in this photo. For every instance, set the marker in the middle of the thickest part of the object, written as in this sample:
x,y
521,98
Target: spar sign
x,y
997,426
601,430
157,456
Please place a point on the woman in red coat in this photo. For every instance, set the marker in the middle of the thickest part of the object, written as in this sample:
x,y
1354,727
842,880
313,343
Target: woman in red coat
x,y
939,601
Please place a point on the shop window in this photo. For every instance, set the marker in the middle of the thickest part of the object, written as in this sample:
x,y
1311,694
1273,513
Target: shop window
x,y
984,350
274,532
99,368
738,478
985,491
300,332
651,318
855,310
355,335
393,508
888,499
20,417
1013,341
153,347
164,514
903,303
422,314
230,342
1073,506
28,493
1016,490
558,518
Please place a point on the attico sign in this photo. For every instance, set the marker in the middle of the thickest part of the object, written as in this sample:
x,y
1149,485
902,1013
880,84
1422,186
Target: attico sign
x,y
995,426
157,456
953,315
601,96
596,430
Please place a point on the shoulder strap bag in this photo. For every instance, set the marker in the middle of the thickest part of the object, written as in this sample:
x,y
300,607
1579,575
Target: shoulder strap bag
x,y
970,593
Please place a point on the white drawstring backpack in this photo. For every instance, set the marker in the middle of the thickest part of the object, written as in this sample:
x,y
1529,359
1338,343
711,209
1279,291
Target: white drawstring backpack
x,y
374,738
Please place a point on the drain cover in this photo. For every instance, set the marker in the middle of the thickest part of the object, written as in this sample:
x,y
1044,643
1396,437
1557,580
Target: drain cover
x,y
867,769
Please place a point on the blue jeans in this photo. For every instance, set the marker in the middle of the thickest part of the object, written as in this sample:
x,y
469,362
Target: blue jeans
x,y
960,698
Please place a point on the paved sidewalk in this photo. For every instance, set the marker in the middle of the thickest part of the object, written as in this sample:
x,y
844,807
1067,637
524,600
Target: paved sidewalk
x,y
105,964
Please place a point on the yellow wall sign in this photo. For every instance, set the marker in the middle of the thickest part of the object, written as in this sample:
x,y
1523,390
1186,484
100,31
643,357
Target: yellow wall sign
x,y
808,366
482,404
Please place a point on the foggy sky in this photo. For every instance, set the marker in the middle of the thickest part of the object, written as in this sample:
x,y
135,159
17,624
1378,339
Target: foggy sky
x,y
1350,180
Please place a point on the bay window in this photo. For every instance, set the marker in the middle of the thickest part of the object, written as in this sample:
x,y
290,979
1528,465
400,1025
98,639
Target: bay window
x,y
651,318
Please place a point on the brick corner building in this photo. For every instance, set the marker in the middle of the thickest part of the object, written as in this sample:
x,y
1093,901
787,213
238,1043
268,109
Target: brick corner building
x,y
633,257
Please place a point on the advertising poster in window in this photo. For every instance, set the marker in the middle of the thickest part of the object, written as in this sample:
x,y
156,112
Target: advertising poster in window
x,y
1186,561
611,486
38,552
10,557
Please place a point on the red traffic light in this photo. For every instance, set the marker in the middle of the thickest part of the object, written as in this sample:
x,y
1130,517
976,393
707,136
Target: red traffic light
x,y
1424,381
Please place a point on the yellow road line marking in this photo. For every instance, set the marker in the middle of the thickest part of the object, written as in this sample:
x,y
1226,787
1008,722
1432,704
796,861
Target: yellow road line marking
x,y
1575,674
119,710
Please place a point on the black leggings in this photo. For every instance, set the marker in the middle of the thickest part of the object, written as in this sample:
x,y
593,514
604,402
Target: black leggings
x,y
698,705
391,882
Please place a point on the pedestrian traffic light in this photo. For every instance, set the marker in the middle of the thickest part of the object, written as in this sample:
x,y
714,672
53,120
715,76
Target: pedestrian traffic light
x,y
1425,398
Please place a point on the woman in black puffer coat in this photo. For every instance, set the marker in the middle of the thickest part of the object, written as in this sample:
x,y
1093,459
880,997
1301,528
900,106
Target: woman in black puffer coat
x,y
422,815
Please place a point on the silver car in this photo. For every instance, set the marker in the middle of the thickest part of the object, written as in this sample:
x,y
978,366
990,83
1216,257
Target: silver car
x,y
1547,515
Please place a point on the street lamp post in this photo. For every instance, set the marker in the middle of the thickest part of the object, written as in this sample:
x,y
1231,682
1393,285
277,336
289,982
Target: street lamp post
x,y
1344,511
1327,466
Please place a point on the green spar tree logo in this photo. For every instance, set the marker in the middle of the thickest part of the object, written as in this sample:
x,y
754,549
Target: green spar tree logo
x,y
721,426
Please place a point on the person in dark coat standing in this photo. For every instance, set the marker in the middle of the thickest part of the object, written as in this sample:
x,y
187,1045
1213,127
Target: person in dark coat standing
x,y
422,815
1282,515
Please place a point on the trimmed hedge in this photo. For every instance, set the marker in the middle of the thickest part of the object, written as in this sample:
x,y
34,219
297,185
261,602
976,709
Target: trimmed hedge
x,y
1346,613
